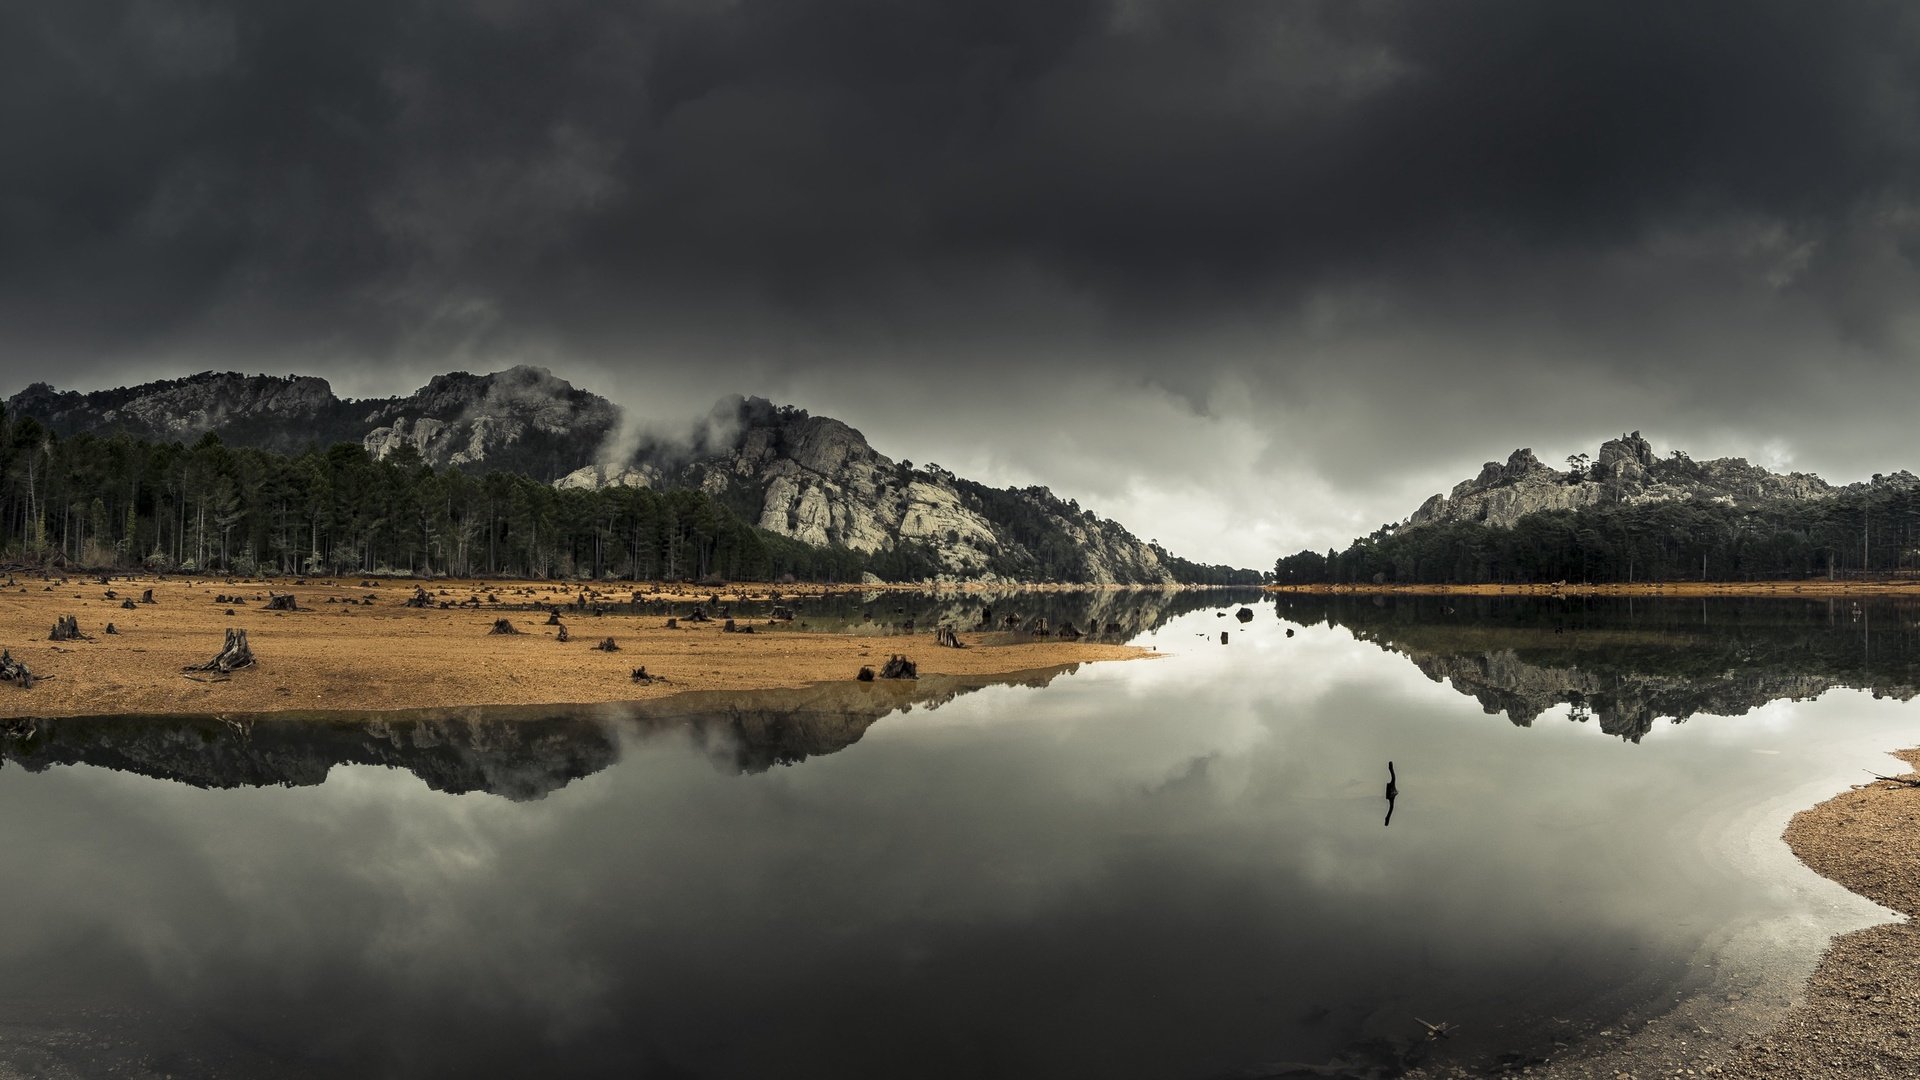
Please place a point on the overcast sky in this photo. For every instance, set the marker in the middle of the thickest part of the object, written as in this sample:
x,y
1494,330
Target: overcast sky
x,y
1247,275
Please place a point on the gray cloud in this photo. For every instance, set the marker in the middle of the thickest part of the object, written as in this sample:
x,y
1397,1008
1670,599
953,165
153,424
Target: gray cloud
x,y
1319,259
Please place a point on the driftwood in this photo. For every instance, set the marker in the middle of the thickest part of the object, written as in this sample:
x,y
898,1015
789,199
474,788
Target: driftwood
x,y
899,667
12,670
503,626
282,602
233,655
946,637
866,674
67,628
1903,781
608,645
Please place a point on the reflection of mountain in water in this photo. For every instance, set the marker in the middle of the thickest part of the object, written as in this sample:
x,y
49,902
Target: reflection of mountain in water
x,y
1109,614
518,753
1627,664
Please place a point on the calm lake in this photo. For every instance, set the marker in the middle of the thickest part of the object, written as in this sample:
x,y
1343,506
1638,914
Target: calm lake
x,y
1171,868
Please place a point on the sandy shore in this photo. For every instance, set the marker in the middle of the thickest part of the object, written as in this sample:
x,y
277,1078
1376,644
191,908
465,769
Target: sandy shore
x,y
1861,1015
366,650
1671,588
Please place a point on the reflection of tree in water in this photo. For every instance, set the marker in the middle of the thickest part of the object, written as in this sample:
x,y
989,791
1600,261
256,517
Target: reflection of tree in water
x,y
1625,664
520,753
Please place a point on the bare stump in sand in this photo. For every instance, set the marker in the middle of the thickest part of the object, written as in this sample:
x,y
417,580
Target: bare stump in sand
x,y
233,655
945,636
12,670
501,626
899,667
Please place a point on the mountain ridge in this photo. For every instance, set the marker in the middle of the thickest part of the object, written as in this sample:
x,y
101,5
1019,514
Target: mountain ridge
x,y
813,479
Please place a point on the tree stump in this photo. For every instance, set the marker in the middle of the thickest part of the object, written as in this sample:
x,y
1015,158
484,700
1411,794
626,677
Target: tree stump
x,y
111,595
553,617
419,599
608,645
673,624
12,670
282,602
67,628
110,629
1039,628
128,604
699,615
1245,614
729,628
866,674
147,597
233,655
899,667
640,675
946,637
502,626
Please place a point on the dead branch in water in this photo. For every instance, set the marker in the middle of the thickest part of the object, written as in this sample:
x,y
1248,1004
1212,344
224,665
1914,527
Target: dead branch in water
x,y
1903,781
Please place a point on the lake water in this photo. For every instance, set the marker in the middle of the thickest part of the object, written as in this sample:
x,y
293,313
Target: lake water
x,y
1175,867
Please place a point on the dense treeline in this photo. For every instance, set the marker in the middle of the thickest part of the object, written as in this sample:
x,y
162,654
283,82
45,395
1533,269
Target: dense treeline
x,y
1864,529
118,502
123,502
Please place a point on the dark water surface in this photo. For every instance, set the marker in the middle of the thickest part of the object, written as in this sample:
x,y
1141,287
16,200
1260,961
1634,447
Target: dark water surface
x,y
1168,868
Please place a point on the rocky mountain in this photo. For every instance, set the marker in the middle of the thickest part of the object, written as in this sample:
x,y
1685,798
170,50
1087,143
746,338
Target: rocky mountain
x,y
522,419
810,478
1625,471
817,480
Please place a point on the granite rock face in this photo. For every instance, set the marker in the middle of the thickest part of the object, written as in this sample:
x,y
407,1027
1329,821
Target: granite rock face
x,y
811,478
818,481
1625,471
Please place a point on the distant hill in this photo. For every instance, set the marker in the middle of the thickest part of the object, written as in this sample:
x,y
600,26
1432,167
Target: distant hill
x,y
1624,471
1626,514
810,478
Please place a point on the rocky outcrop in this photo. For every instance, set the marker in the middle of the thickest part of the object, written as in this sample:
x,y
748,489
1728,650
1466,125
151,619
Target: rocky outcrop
x,y
817,480
523,418
1625,471
811,478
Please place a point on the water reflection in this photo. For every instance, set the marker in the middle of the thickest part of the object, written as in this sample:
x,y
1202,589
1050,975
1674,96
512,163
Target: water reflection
x,y
520,753
1627,664
1169,868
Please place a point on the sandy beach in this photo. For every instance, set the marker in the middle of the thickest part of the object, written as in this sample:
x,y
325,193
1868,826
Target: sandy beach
x,y
355,645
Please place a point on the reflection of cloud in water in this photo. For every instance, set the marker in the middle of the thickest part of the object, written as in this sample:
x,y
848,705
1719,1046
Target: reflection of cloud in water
x,y
1176,874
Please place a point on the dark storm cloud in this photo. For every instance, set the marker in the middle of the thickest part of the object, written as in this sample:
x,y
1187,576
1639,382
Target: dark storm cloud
x,y
1338,217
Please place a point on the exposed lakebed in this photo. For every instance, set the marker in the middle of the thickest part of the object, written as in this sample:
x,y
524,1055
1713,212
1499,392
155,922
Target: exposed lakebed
x,y
1171,868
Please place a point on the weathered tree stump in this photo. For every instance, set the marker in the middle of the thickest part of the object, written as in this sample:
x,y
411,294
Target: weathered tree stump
x,y
147,597
866,674
562,635
419,599
729,627
503,626
282,602
233,655
110,629
111,595
128,604
67,628
699,615
12,670
673,624
1039,628
553,617
899,667
640,675
946,637
608,645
